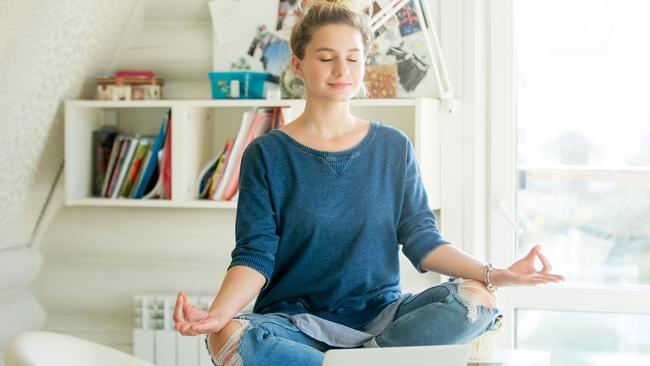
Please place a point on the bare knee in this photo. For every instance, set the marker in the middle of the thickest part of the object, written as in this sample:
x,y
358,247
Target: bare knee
x,y
224,345
478,291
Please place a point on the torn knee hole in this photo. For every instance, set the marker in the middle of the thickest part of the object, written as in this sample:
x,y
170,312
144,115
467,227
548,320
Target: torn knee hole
x,y
225,344
472,294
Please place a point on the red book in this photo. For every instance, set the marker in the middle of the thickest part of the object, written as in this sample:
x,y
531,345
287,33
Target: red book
x,y
275,118
281,118
166,165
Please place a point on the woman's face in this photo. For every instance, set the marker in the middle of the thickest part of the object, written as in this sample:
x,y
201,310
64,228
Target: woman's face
x,y
333,66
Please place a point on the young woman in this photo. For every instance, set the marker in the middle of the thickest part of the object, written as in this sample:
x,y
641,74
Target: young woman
x,y
324,205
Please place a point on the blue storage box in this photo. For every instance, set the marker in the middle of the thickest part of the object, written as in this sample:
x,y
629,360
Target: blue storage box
x,y
238,84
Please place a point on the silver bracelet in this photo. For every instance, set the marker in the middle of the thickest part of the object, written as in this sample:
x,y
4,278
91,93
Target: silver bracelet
x,y
488,284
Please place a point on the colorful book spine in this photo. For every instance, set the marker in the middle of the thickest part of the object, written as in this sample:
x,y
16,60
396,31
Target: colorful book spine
x,y
115,152
136,163
102,150
216,180
138,178
261,125
124,144
247,120
166,167
124,167
152,162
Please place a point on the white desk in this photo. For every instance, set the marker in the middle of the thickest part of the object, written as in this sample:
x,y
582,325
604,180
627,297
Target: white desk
x,y
510,357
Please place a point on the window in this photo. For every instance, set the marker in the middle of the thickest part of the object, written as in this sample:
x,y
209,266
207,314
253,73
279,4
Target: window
x,y
578,109
583,136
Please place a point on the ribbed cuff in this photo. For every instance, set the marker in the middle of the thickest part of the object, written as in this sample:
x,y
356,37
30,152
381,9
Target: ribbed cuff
x,y
421,247
261,262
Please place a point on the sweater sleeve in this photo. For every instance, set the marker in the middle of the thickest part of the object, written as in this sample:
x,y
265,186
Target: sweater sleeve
x,y
255,226
416,229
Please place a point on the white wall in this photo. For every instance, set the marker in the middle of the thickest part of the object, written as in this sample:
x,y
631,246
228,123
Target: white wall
x,y
48,50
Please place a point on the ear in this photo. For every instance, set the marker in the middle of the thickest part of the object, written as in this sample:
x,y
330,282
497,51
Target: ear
x,y
297,67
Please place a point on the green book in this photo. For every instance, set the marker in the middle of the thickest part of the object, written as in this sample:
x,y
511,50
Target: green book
x,y
136,164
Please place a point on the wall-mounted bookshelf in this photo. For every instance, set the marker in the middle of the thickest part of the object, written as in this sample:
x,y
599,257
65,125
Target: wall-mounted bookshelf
x,y
199,130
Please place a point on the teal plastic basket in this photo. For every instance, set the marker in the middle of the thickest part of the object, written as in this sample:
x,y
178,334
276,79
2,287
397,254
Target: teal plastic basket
x,y
251,84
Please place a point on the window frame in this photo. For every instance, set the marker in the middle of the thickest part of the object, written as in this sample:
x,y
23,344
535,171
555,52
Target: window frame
x,y
502,192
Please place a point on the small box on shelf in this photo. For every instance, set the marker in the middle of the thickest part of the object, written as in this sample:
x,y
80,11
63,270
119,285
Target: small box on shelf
x,y
238,84
129,85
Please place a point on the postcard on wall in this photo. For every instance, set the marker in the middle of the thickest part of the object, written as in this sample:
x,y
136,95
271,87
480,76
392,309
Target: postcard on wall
x,y
236,25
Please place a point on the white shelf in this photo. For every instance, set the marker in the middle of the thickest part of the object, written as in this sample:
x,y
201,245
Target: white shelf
x,y
232,103
200,128
125,202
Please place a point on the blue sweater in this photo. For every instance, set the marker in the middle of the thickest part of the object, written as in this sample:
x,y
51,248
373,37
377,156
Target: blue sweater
x,y
325,228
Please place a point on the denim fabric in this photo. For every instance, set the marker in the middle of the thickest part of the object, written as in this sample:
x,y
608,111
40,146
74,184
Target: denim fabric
x,y
435,316
306,214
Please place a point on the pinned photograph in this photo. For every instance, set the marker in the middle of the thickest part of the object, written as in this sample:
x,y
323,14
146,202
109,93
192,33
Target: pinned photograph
x,y
277,57
408,19
288,13
390,30
411,67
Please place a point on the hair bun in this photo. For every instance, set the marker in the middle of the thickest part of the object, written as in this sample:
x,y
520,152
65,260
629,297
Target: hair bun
x,y
350,4
336,2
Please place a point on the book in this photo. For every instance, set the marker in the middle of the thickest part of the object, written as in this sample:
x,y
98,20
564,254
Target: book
x,y
261,125
246,122
155,190
115,151
124,166
166,165
124,144
274,120
138,177
143,145
221,168
281,117
207,174
102,149
151,165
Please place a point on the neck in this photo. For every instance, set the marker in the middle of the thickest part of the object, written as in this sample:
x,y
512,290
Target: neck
x,y
327,118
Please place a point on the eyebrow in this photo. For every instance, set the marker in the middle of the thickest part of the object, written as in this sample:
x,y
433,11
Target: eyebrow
x,y
332,50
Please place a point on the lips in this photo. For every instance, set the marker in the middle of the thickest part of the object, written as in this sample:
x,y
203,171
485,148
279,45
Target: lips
x,y
339,85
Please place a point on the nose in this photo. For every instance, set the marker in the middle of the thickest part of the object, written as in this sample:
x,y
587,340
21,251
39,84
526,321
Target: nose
x,y
341,68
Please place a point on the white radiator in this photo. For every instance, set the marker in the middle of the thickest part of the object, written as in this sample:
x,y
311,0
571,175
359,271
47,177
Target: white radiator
x,y
154,338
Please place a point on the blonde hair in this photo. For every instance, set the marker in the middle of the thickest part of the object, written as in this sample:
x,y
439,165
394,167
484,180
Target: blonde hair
x,y
319,13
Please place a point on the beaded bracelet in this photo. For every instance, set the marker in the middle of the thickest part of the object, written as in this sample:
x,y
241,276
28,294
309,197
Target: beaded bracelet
x,y
488,284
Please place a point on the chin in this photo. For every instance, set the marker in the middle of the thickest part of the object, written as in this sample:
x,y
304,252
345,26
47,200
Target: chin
x,y
341,97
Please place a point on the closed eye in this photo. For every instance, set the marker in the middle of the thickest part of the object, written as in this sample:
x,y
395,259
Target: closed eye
x,y
330,59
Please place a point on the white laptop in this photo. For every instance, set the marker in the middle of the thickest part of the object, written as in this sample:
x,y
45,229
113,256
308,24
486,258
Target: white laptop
x,y
452,355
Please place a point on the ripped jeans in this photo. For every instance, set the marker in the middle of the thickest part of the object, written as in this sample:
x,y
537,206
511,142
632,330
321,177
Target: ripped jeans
x,y
448,313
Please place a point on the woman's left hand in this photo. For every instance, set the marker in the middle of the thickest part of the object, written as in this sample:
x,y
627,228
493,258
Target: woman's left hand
x,y
523,271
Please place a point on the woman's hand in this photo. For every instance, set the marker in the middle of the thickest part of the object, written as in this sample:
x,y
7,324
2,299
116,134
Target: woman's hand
x,y
523,271
191,320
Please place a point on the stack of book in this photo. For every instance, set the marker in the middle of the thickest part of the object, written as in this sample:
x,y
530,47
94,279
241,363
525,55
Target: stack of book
x,y
133,166
219,179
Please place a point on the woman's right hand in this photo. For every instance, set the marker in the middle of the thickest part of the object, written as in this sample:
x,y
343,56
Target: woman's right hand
x,y
191,320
